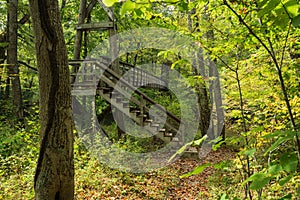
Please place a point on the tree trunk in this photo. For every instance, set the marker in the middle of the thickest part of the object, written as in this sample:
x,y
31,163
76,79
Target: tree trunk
x,y
2,59
215,89
54,176
201,88
12,58
218,101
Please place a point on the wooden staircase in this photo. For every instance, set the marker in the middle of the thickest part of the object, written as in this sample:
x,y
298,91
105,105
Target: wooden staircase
x,y
123,94
118,82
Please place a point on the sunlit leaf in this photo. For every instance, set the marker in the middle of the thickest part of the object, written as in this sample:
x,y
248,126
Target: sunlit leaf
x,y
196,171
224,197
180,151
109,3
269,7
292,7
248,152
128,6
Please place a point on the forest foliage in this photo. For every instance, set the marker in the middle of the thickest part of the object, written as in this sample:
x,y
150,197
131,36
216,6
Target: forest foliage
x,y
256,47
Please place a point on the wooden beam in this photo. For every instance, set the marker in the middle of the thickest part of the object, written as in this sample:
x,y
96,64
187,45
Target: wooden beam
x,y
90,7
108,11
95,26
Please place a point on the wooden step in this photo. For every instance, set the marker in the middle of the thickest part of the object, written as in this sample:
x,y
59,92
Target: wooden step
x,y
118,96
125,104
144,117
133,109
155,125
162,130
149,120
168,134
137,112
119,99
115,94
106,90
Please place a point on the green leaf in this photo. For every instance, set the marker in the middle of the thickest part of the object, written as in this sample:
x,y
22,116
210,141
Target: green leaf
x,y
249,152
3,44
279,142
138,12
183,6
180,151
286,197
282,21
296,21
128,6
224,197
215,140
109,3
272,4
200,141
181,62
196,171
276,144
292,7
289,162
217,146
273,134
274,170
221,165
262,3
284,180
259,180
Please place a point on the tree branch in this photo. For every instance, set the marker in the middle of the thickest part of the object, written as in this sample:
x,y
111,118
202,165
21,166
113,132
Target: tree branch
x,y
28,66
250,30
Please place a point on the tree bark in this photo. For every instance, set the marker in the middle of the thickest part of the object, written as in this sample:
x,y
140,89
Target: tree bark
x,y
54,176
215,89
12,58
2,59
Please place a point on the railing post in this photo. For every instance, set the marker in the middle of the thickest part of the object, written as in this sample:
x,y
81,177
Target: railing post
x,y
142,108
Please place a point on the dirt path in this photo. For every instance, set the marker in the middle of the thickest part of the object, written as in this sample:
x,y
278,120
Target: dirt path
x,y
189,188
163,184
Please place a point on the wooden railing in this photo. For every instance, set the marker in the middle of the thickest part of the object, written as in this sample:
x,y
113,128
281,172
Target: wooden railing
x,y
113,81
135,76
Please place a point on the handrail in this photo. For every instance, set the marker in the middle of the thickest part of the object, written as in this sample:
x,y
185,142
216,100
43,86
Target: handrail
x,y
116,76
107,59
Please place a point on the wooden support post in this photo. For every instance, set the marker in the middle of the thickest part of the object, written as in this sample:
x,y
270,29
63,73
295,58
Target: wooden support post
x,y
78,38
142,108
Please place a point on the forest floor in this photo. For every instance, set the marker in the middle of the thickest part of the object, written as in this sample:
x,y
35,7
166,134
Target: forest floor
x,y
161,184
